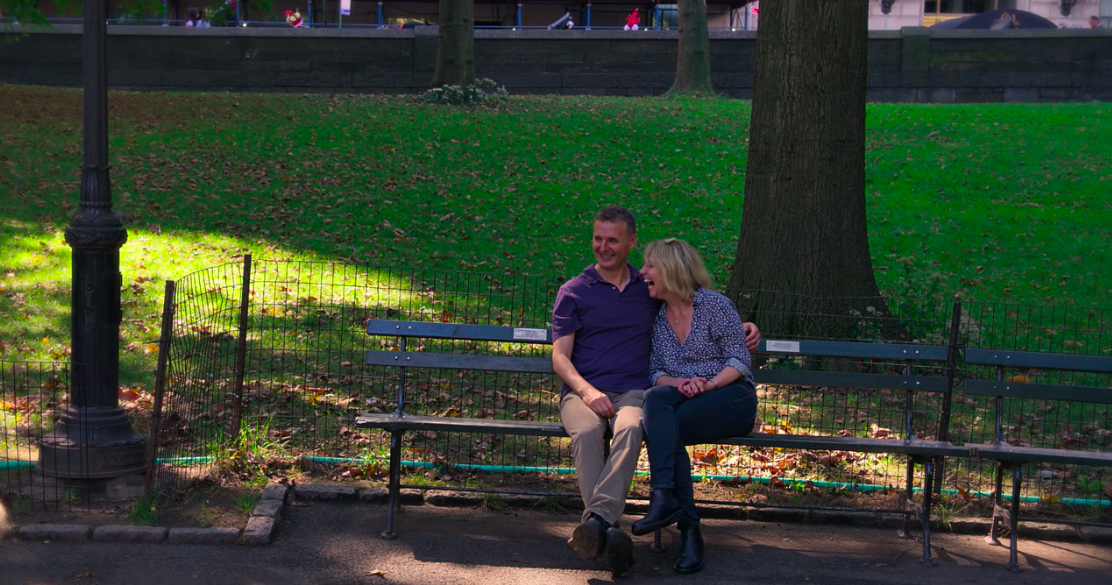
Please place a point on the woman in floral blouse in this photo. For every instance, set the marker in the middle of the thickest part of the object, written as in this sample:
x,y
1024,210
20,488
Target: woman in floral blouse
x,y
702,386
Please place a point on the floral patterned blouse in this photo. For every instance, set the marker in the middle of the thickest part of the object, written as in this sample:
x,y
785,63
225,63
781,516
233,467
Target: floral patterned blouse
x,y
716,341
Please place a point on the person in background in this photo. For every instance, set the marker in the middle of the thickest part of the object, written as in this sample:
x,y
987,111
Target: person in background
x,y
193,18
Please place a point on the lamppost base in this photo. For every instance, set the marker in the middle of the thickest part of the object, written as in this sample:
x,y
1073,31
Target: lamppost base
x,y
63,458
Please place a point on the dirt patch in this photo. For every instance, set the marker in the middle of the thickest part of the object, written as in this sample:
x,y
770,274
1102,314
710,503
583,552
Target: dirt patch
x,y
208,504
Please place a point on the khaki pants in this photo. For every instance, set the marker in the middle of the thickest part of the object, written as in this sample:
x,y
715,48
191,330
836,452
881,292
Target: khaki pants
x,y
604,482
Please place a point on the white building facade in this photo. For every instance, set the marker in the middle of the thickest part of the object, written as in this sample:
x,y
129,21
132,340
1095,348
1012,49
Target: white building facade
x,y
895,14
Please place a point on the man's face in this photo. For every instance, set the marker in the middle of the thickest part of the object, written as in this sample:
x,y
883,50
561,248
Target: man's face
x,y
612,243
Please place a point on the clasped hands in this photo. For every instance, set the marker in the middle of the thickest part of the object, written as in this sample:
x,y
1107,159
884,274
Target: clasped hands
x,y
692,387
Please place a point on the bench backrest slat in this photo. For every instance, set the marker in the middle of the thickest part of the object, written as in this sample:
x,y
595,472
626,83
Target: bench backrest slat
x,y
459,331
1093,394
459,361
1034,360
851,380
854,349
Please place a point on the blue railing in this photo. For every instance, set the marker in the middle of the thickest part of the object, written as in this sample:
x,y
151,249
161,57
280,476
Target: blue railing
x,y
361,25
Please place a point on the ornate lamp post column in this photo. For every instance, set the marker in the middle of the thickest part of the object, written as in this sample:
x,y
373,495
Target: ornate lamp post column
x,y
93,438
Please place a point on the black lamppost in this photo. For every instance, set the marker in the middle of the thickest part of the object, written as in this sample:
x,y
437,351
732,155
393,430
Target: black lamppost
x,y
93,438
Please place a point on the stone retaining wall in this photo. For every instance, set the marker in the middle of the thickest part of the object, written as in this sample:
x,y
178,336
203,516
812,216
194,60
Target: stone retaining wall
x,y
911,65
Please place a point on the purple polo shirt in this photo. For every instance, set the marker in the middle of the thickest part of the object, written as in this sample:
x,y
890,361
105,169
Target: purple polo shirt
x,y
613,330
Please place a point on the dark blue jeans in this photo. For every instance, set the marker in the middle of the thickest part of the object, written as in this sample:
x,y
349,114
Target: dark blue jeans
x,y
673,421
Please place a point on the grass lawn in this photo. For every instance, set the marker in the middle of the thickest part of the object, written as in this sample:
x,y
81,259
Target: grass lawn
x,y
989,202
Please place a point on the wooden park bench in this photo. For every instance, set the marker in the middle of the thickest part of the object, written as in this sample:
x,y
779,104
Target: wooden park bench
x,y
910,370
1012,384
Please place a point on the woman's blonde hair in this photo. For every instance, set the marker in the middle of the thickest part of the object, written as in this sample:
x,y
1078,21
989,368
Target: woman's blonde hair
x,y
681,268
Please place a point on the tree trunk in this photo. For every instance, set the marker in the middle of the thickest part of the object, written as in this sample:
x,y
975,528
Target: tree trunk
x,y
693,52
803,266
455,48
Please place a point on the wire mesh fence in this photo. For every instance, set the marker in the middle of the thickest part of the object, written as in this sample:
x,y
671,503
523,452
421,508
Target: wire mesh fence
x,y
286,378
31,396
1066,491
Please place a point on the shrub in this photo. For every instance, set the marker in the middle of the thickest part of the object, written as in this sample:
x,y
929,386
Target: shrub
x,y
482,92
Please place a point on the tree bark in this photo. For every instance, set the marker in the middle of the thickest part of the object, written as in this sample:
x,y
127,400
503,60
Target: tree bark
x,y
803,266
693,52
455,48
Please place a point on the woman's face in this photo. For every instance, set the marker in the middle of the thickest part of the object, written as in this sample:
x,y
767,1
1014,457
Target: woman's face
x,y
651,273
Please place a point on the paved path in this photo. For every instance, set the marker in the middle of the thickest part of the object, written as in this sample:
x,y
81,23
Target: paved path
x,y
336,543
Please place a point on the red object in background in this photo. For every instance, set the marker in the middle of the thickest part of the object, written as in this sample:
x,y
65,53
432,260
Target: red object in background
x,y
633,19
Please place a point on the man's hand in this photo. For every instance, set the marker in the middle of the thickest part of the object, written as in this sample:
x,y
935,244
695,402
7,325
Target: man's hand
x,y
752,335
598,403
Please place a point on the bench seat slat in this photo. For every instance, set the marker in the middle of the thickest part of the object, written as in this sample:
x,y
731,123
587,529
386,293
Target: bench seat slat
x,y
851,380
854,349
409,422
1092,394
394,422
459,361
1007,452
1045,361
459,331
855,444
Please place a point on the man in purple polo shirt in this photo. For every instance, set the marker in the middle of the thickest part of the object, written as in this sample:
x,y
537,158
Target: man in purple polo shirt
x,y
602,332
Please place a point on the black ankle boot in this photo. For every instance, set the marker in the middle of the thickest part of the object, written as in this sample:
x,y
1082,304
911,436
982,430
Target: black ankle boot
x,y
618,551
691,549
664,510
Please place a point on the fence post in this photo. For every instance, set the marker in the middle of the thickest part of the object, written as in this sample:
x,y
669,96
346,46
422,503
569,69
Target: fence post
x,y
241,349
160,381
951,364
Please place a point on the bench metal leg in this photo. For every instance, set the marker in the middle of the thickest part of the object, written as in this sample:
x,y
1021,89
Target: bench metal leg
x,y
1013,553
393,502
997,505
928,480
909,503
657,546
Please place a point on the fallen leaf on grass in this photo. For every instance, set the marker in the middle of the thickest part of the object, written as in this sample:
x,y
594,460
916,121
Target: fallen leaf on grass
x,y
881,433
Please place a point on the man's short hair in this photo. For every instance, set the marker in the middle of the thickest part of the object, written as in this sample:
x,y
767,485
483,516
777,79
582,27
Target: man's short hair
x,y
682,271
616,213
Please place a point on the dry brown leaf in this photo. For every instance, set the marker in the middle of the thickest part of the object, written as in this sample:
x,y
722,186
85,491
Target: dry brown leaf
x,y
881,433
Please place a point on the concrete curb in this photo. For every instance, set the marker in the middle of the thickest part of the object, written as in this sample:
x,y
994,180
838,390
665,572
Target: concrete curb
x,y
62,532
264,518
259,529
314,491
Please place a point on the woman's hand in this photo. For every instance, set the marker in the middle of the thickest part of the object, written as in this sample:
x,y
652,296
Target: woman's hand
x,y
693,387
